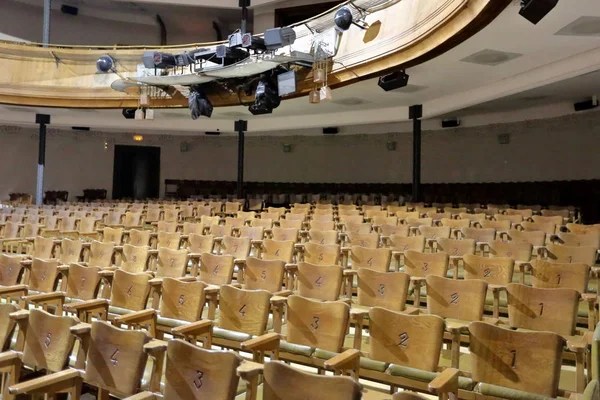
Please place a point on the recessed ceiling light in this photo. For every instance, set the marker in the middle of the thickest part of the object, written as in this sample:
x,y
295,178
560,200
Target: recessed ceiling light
x,y
582,26
491,57
350,101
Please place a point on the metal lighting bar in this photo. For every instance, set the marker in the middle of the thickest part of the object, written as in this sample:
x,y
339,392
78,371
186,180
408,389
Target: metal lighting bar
x,y
415,113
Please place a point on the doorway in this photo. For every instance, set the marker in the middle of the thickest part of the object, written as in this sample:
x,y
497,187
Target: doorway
x,y
136,173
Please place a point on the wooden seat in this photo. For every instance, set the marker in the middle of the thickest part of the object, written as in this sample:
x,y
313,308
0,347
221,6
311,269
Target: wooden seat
x,y
432,234
420,265
388,230
192,227
322,282
456,250
499,226
548,228
238,248
255,233
168,240
474,218
370,240
167,226
215,269
266,223
320,254
482,237
571,254
459,302
513,219
115,362
573,239
135,258
69,251
323,237
497,272
45,343
283,234
583,229
400,244
112,235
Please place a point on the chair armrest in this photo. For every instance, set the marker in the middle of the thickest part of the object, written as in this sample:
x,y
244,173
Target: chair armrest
x,y
194,256
343,361
249,369
212,289
9,357
142,396
187,279
580,344
19,315
87,305
39,298
456,326
135,317
63,268
349,272
268,341
411,311
282,293
446,382
81,329
276,300
45,383
4,291
155,282
291,267
155,346
26,263
496,288
153,252
589,297
299,246
194,329
357,312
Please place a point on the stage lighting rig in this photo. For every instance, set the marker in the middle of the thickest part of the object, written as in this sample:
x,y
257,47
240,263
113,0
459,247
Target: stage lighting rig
x,y
343,19
266,97
199,103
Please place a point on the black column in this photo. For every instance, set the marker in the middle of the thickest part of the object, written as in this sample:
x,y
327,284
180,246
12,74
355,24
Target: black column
x,y
42,120
415,113
240,126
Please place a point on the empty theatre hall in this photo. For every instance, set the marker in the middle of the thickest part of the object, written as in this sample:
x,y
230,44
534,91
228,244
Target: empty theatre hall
x,y
299,200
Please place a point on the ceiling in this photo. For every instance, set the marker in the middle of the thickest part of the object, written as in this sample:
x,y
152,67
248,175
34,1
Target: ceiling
x,y
510,64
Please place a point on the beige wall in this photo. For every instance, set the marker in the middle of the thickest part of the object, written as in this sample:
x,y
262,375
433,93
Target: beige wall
x,y
554,149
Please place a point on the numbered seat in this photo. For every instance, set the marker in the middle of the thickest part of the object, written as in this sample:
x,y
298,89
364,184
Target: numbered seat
x,y
481,236
323,237
573,239
167,226
364,257
497,272
420,265
370,240
456,250
198,244
399,244
432,234
45,343
138,237
387,231
114,363
113,236
282,233
475,219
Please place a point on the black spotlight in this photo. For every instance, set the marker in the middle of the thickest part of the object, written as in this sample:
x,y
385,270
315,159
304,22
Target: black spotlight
x,y
392,81
129,113
199,103
105,64
343,19
535,10
266,97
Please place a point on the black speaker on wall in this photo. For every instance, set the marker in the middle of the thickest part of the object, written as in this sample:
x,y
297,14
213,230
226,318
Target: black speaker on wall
x,y
450,123
330,131
535,10
395,80
70,10
586,105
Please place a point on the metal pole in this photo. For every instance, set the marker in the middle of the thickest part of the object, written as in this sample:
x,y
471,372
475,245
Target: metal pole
x,y
46,33
240,127
244,4
42,120
415,113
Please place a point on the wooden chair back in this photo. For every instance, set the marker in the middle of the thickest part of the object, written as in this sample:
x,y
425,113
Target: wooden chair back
x,y
192,227
88,225
166,226
434,232
235,222
238,247
208,221
132,219
130,291
376,259
457,299
500,226
216,269
495,271
456,223
513,219
283,382
83,282
168,240
48,340
398,230
417,222
220,230
32,230
232,207
583,229
361,227
264,274
323,237
456,247
153,214
535,238
413,341
326,254
247,215
404,243
216,206
318,219
382,289
266,223
289,223
114,218
10,269
370,240
394,209
139,238
473,217
556,220
244,310
100,254
116,358
321,282
420,265
549,274
317,324
479,235
171,263
135,258
271,216
538,309
43,248
171,215
525,213
200,243
181,300
548,229
252,232
518,251
43,275
385,220
572,254
282,234
573,239
7,324
276,250
196,373
513,359
112,235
